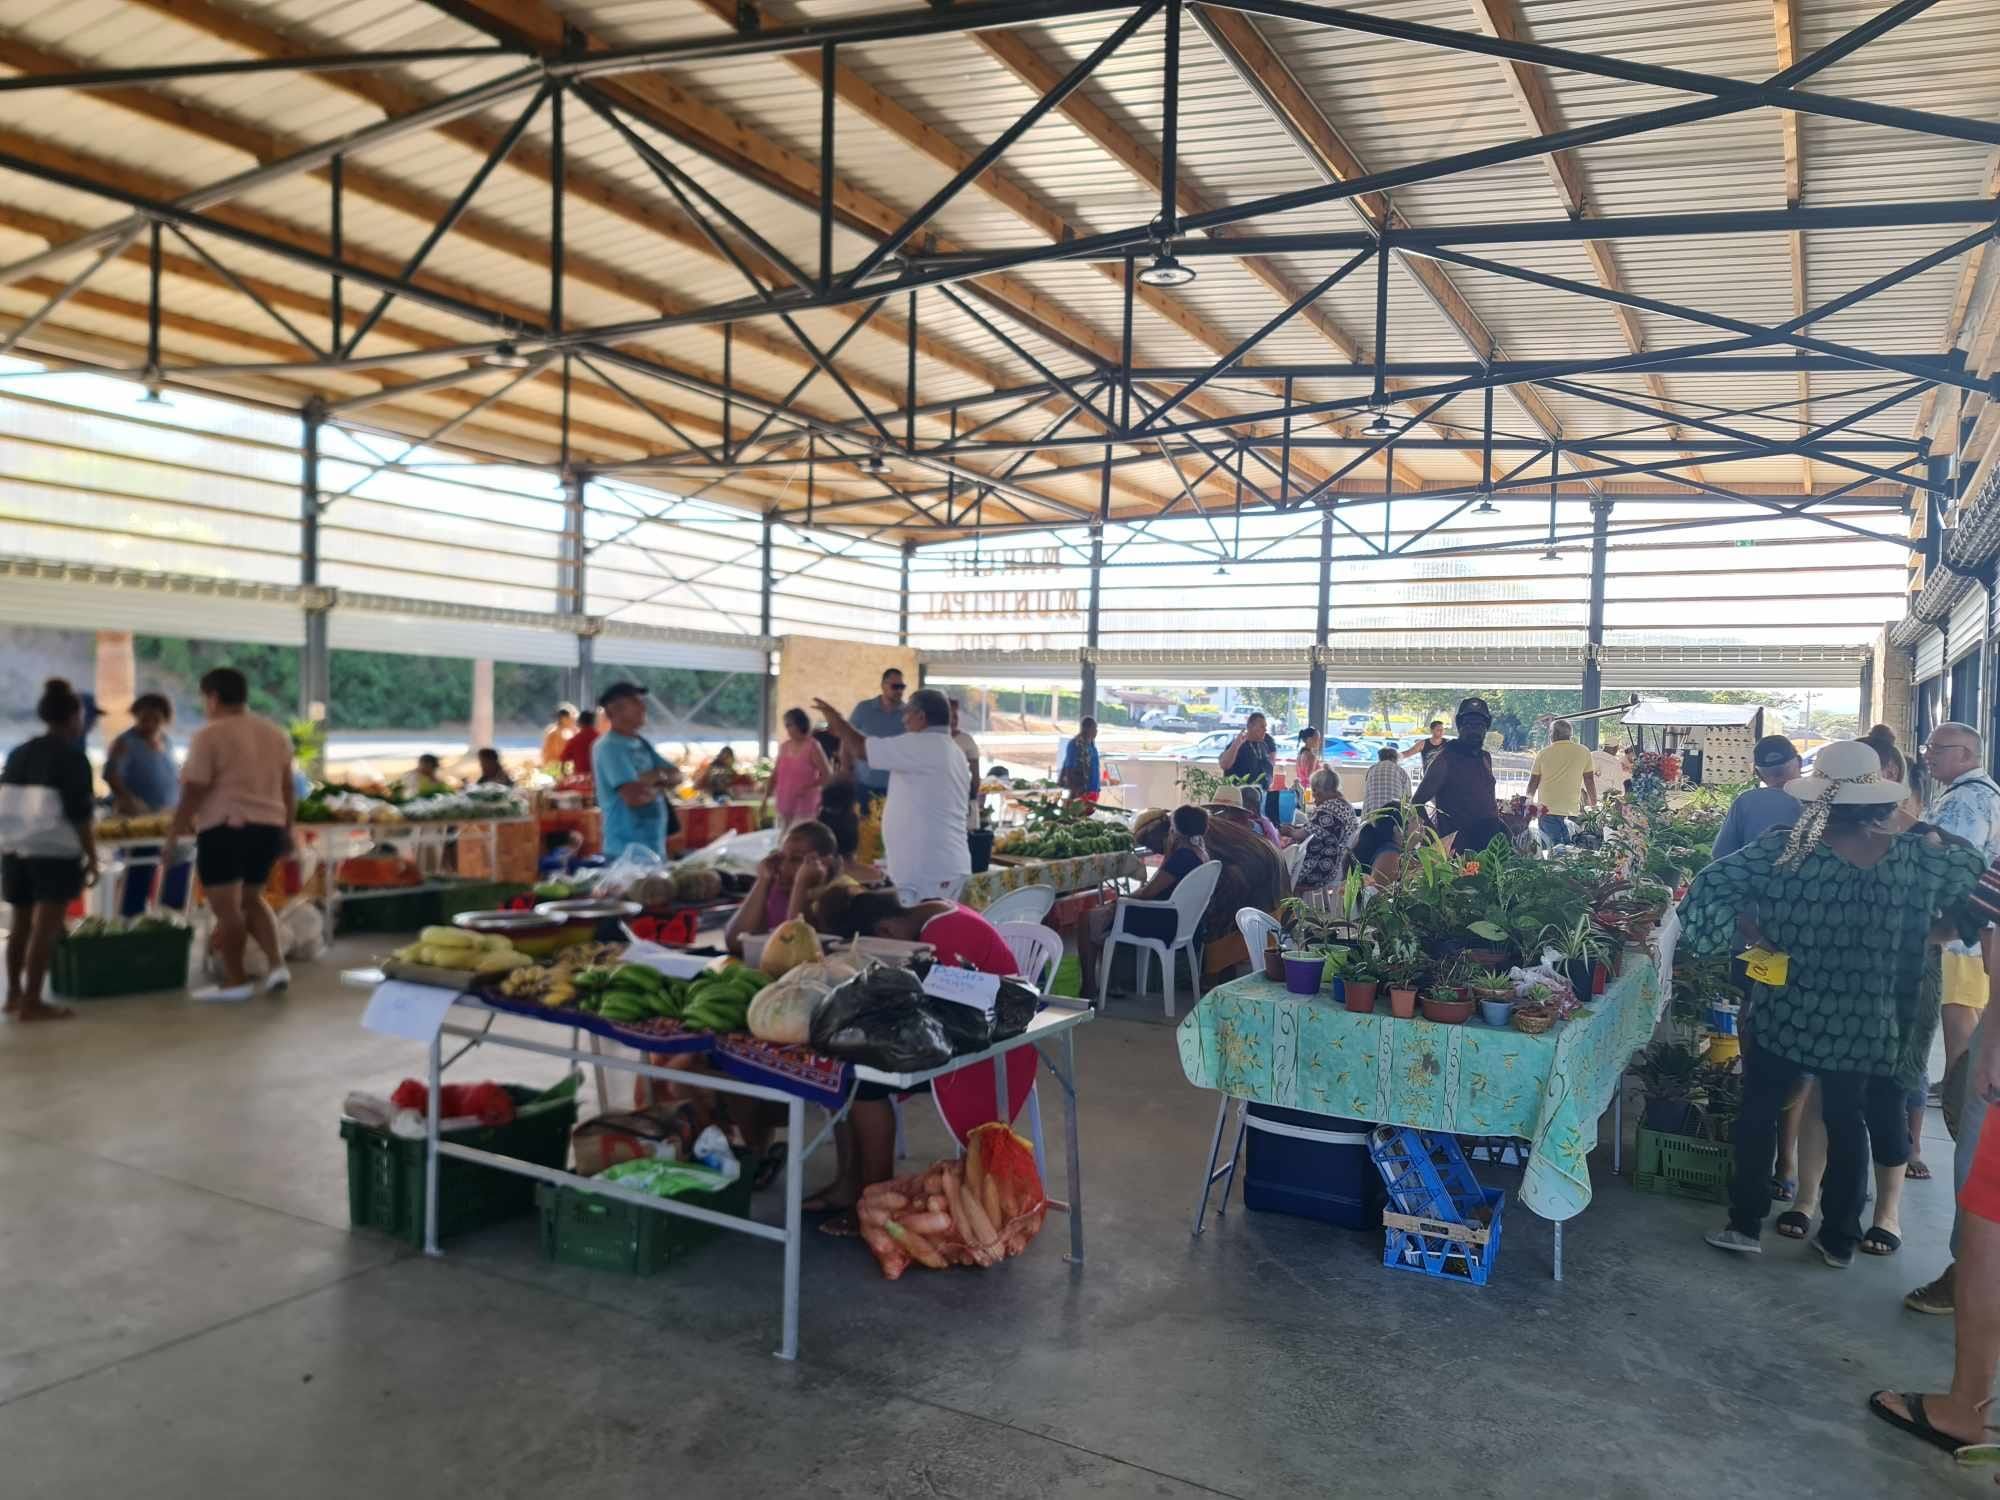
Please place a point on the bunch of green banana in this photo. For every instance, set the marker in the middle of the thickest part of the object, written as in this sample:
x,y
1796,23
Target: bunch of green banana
x,y
630,992
721,1001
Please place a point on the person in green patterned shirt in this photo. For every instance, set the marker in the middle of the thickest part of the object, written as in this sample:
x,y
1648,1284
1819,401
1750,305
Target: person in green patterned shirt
x,y
1857,910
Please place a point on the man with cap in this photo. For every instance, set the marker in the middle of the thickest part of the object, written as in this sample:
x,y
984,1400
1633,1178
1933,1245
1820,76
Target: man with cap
x,y
923,825
1766,805
1458,782
632,777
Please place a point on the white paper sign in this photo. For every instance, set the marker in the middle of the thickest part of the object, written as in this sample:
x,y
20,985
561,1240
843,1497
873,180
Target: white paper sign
x,y
963,986
415,1011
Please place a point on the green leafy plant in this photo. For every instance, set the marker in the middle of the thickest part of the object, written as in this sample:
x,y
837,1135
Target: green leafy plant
x,y
1579,941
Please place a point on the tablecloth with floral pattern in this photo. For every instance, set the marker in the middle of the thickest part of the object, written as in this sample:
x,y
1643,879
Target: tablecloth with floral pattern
x,y
1253,1040
1066,875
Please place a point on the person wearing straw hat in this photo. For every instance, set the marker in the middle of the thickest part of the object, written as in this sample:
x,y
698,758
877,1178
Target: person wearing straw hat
x,y
1854,909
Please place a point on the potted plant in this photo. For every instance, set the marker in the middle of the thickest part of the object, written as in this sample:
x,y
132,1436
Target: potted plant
x,y
1274,958
1359,982
1305,968
1671,1075
1448,1006
1336,957
1402,965
1495,993
1580,949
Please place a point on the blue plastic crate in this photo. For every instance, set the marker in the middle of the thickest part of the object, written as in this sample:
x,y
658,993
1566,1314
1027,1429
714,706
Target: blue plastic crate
x,y
1441,1222
1449,1251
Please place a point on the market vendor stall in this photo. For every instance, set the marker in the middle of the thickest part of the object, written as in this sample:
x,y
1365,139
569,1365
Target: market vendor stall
x,y
1083,873
700,1014
1255,1042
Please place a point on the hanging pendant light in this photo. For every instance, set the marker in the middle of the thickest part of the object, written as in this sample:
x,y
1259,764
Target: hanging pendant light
x,y
505,356
1379,425
1166,271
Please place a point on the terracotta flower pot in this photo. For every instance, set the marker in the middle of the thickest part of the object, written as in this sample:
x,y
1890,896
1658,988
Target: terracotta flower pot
x,y
1359,996
1274,964
1402,1003
1447,1012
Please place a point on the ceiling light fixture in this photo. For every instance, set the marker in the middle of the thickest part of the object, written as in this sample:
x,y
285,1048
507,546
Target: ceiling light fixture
x,y
504,356
1379,425
1166,271
1552,555
875,465
1486,508
152,394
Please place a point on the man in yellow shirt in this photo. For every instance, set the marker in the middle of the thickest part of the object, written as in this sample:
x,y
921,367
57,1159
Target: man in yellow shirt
x,y
558,735
1566,777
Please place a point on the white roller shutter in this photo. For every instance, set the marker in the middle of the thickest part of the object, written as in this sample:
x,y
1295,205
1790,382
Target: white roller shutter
x,y
1930,655
81,598
1966,631
411,628
690,650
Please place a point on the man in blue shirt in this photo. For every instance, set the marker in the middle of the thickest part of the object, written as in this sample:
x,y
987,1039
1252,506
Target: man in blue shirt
x,y
1762,808
632,777
878,718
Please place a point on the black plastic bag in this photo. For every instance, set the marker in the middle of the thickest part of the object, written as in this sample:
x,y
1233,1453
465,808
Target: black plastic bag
x,y
967,1028
1014,1007
879,1019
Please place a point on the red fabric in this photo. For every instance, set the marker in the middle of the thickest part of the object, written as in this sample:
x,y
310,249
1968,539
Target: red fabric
x,y
1981,1193
965,937
492,1104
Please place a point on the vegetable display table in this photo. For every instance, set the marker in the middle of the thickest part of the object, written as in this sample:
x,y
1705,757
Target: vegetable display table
x,y
1055,1024
1256,1043
1066,875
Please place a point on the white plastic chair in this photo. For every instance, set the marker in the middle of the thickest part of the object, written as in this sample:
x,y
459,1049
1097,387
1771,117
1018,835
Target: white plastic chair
x,y
1256,927
1294,855
1188,902
1028,904
1037,949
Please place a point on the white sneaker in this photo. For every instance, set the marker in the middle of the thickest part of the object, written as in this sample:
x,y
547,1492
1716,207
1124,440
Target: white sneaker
x,y
279,978
1734,1241
223,994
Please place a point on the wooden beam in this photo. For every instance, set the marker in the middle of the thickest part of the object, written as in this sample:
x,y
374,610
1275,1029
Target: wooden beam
x,y
1539,111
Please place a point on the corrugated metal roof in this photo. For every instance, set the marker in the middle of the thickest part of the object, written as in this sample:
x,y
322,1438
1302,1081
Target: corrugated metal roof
x,y
1394,103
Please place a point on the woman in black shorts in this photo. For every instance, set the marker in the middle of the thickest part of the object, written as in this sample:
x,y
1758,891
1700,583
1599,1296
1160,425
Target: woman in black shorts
x,y
51,855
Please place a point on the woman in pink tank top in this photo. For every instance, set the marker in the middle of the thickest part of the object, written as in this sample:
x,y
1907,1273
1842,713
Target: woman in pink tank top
x,y
799,772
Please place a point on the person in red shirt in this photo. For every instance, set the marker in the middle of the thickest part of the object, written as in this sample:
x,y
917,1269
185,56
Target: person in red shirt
x,y
576,754
866,1140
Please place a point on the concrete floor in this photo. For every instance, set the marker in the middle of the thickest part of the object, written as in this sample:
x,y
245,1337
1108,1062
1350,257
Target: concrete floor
x,y
186,1316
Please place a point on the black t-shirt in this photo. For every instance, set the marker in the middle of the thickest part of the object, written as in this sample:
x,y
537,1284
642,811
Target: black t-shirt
x,y
1254,760
58,761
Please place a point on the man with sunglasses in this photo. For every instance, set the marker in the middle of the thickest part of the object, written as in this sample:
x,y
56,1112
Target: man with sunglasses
x,y
881,718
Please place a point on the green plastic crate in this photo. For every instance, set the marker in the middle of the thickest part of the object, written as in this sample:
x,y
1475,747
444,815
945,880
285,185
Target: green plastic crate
x,y
1682,1166
478,895
365,909
385,1173
580,1228
128,963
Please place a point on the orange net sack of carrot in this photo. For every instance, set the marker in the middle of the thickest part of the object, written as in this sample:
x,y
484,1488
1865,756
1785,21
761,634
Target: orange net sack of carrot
x,y
976,1211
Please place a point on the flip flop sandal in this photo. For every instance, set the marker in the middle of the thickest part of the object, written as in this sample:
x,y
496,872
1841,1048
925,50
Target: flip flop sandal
x,y
1784,1189
768,1167
1793,1225
845,1225
1916,1424
1881,1242
1916,1171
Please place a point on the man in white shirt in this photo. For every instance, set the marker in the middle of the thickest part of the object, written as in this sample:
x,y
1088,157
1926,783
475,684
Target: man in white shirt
x,y
923,822
970,746
1609,770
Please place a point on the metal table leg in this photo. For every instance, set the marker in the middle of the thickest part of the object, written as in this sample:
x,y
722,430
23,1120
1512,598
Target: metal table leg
x,y
1559,1250
1212,1172
1618,1128
795,1162
1075,1152
1235,1155
431,1144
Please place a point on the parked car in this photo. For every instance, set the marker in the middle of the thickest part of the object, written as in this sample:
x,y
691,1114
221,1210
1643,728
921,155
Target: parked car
x,y
1169,723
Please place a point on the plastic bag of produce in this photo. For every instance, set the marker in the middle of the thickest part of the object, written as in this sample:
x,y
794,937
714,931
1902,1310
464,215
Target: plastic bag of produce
x,y
637,863
783,1010
879,1019
1014,1007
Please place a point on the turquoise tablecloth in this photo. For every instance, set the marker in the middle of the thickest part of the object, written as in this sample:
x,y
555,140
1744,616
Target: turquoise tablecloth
x,y
1253,1040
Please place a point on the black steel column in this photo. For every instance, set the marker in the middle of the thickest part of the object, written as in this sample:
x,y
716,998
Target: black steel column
x,y
1088,694
1593,673
1317,709
765,727
571,590
314,675
903,598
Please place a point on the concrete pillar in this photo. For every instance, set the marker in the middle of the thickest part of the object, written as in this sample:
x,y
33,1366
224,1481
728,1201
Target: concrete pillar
x,y
116,682
1593,673
481,732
